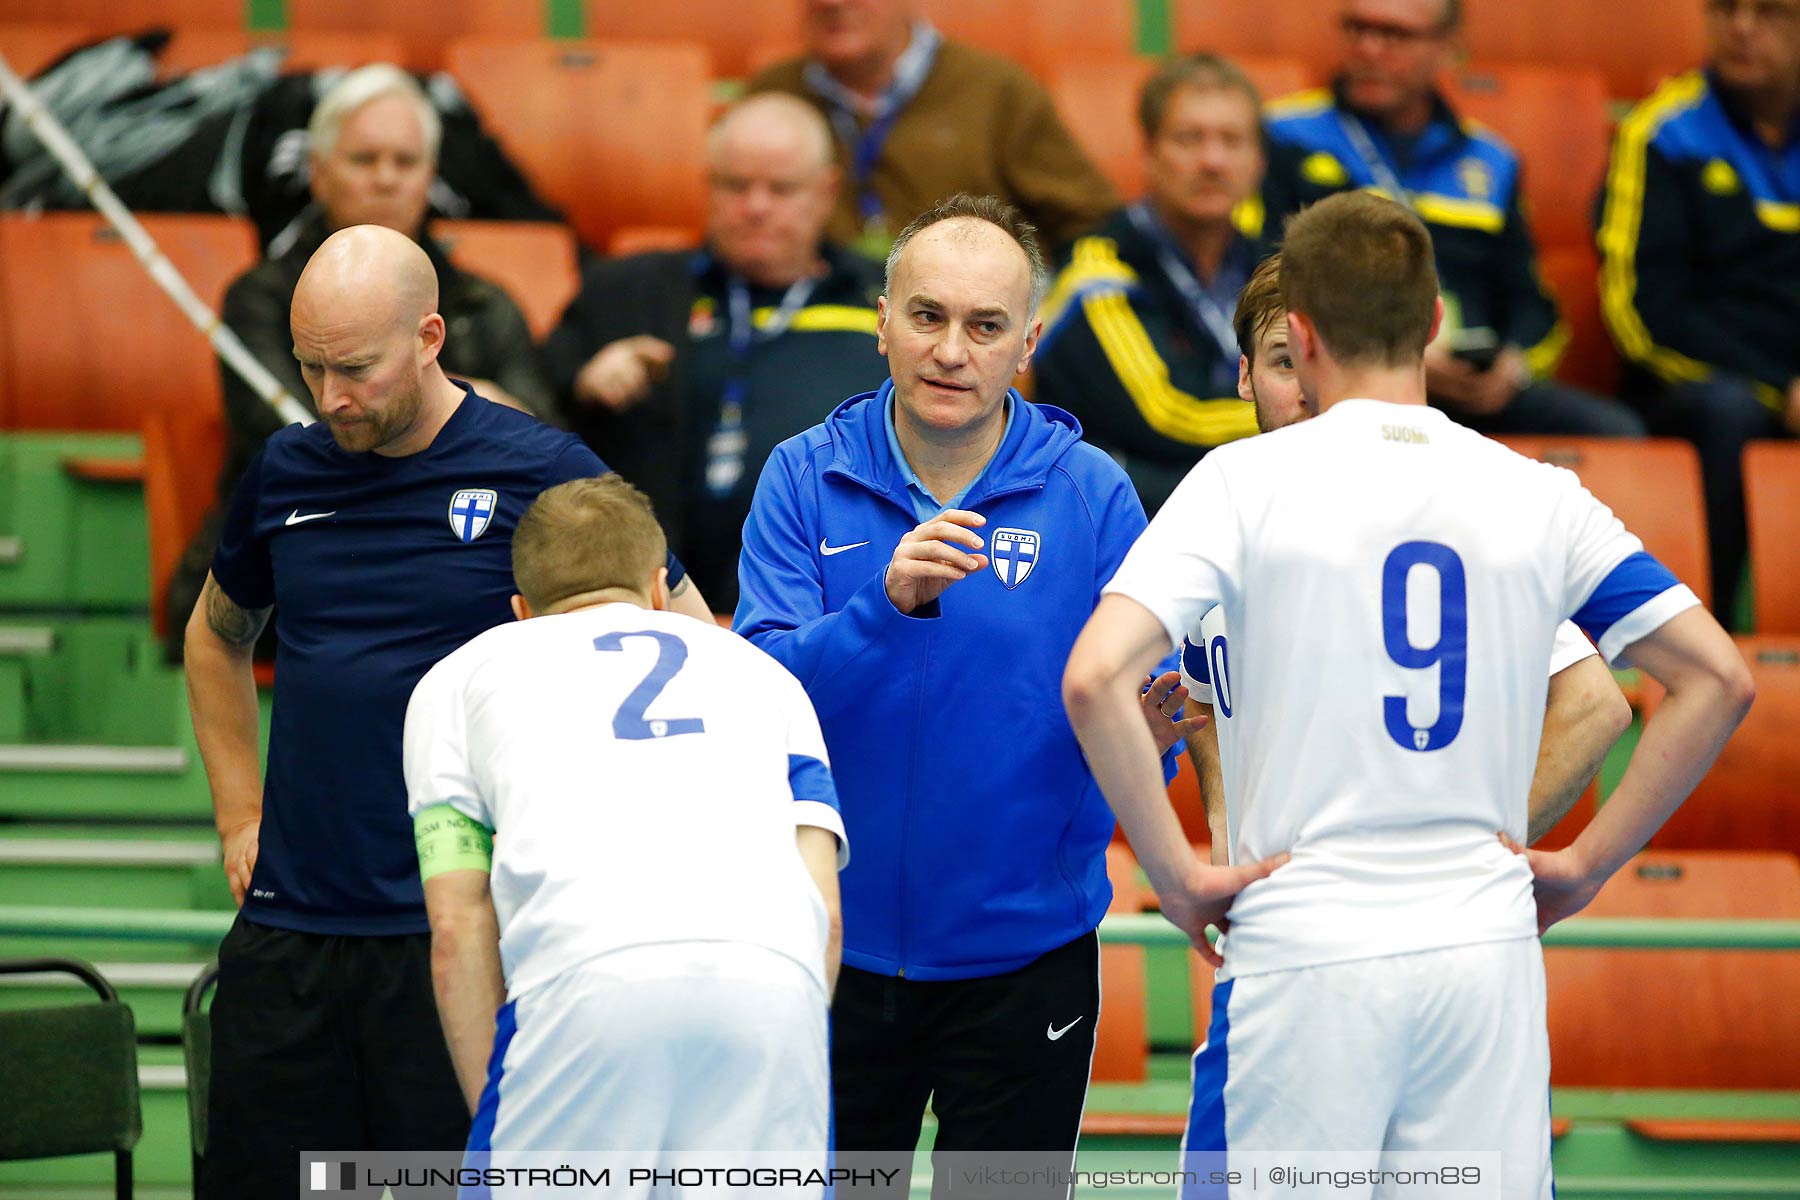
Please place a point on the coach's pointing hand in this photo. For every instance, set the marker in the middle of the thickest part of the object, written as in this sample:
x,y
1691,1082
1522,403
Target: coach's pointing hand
x,y
931,558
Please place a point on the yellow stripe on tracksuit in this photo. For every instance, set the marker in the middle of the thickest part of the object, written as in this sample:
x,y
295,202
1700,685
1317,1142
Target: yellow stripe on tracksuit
x,y
1094,261
822,318
1167,409
1542,358
1622,220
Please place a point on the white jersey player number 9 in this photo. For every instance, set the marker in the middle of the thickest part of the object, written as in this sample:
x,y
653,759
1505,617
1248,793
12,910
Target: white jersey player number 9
x,y
1450,653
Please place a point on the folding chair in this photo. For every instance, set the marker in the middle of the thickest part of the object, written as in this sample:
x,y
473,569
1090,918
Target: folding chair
x,y
196,1057
70,1075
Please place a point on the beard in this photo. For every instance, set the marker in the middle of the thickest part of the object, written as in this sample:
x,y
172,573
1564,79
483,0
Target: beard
x,y
376,429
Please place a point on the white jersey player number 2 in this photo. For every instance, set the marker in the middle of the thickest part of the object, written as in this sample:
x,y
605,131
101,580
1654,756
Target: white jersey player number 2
x,y
1450,653
629,722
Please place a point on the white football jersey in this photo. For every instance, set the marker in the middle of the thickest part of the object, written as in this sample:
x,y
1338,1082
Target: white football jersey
x,y
643,774
1392,584
1206,672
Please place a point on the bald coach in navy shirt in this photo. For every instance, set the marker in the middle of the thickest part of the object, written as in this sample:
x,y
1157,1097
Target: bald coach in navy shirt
x,y
381,540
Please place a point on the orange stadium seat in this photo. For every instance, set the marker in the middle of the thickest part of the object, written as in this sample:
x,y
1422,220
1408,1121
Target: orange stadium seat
x,y
1622,42
1122,1039
1654,487
89,339
130,16
30,46
1681,1018
182,456
730,29
641,239
1566,830
1300,29
1772,501
1122,874
613,133
305,50
1184,794
534,261
425,30
1572,273
1037,33
1097,97
1555,117
1750,799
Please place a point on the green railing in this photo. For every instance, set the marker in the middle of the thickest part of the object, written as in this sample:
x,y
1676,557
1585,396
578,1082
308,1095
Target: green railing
x,y
1613,933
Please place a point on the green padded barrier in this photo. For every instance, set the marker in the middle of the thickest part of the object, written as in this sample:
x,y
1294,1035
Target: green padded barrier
x,y
265,14
565,18
1155,27
79,544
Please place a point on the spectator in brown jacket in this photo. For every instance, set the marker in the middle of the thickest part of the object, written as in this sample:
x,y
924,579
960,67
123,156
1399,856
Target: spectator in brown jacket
x,y
919,118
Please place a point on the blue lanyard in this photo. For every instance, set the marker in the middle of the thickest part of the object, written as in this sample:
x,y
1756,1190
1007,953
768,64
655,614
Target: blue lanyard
x,y
1207,312
865,146
1384,175
742,335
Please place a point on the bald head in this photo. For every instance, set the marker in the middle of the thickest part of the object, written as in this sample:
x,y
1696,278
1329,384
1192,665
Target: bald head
x,y
771,183
367,335
774,120
369,273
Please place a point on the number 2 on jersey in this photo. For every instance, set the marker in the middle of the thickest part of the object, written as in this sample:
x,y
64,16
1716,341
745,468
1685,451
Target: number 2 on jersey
x,y
1450,653
629,722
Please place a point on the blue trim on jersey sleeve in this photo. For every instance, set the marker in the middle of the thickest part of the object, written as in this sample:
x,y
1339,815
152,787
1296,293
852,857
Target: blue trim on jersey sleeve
x,y
1631,585
1203,1145
487,1111
811,780
1193,661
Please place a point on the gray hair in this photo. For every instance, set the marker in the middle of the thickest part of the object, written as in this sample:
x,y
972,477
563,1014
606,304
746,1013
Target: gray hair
x,y
991,210
358,88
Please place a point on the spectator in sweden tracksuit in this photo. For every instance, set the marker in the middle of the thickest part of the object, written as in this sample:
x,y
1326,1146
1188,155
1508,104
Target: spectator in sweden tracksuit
x,y
923,561
1700,259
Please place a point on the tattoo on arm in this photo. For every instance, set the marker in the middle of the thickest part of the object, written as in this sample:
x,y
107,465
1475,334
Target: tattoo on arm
x,y
687,581
235,626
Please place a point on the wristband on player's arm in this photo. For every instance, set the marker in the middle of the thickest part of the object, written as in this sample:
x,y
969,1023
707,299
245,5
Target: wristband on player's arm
x,y
449,840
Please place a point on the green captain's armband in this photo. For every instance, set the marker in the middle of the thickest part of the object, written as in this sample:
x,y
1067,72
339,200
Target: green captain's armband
x,y
449,841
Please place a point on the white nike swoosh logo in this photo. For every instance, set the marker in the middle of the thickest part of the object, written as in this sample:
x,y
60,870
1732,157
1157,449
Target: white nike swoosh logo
x,y
294,518
1053,1033
828,551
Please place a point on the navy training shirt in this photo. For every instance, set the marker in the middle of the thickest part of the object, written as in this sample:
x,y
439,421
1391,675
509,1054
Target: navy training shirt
x,y
377,567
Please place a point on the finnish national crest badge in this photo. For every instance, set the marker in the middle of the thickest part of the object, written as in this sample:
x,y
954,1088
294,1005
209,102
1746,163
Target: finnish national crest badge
x,y
470,511
1013,553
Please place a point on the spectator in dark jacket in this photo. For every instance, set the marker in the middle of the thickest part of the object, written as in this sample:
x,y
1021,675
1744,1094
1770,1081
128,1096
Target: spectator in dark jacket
x,y
1385,125
1138,341
1700,254
684,370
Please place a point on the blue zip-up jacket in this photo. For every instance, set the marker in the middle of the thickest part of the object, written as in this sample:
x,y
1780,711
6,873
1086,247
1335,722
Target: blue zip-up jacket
x,y
980,833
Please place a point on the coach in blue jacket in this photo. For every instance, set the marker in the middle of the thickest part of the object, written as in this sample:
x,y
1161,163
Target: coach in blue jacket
x,y
923,561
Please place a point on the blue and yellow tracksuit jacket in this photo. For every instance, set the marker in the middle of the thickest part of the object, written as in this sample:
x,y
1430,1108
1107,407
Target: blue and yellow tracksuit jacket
x,y
1699,234
1124,353
1464,181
